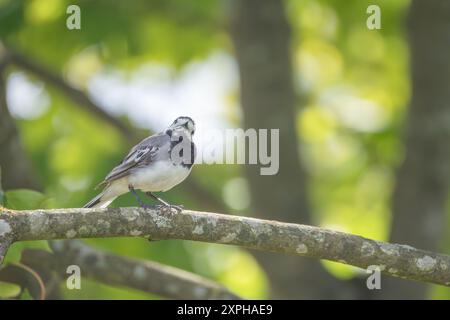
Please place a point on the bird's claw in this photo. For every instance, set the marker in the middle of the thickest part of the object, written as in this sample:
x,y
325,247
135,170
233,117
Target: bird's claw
x,y
170,207
178,208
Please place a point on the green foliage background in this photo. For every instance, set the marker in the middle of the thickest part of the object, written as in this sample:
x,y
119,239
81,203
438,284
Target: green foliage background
x,y
338,62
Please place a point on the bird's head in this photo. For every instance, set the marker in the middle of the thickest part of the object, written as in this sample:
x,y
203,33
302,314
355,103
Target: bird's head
x,y
183,123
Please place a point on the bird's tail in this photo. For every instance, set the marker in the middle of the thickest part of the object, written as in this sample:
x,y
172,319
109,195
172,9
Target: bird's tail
x,y
99,202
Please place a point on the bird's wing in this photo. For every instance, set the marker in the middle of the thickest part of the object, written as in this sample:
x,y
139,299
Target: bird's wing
x,y
141,154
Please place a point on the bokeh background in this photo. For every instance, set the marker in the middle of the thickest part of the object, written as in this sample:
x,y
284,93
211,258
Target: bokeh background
x,y
364,119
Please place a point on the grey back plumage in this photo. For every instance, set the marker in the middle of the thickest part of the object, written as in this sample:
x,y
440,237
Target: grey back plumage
x,y
151,149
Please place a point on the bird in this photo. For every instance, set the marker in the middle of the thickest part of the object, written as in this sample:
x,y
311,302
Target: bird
x,y
156,164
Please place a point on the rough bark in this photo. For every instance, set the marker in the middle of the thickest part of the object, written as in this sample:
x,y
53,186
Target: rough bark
x,y
288,238
421,192
261,36
4,246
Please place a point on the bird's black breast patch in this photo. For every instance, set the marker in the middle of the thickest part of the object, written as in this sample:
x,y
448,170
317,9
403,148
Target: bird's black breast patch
x,y
188,164
187,161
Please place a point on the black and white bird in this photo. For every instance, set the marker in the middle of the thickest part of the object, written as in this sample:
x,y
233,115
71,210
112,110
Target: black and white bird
x,y
156,164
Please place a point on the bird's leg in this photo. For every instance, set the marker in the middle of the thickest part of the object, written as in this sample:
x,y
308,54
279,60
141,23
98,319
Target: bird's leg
x,y
157,199
164,203
141,203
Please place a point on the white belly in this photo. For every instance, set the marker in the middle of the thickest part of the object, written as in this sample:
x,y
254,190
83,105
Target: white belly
x,y
160,176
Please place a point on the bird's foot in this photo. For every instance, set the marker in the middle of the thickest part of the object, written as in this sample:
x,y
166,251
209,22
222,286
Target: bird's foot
x,y
170,207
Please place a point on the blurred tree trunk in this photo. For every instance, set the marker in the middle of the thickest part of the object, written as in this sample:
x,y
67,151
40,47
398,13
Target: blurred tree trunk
x,y
14,162
261,36
421,193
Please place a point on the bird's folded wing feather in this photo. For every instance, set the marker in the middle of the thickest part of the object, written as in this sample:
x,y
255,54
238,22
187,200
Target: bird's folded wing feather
x,y
141,154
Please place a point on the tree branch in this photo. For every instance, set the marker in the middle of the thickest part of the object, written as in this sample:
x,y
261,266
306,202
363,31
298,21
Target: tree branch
x,y
146,276
4,246
393,259
5,240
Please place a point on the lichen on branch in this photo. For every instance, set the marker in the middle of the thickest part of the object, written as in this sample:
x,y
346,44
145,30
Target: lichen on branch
x,y
393,259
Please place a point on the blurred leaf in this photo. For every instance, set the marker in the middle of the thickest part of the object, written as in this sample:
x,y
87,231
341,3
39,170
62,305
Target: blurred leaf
x,y
26,295
11,16
24,199
9,290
